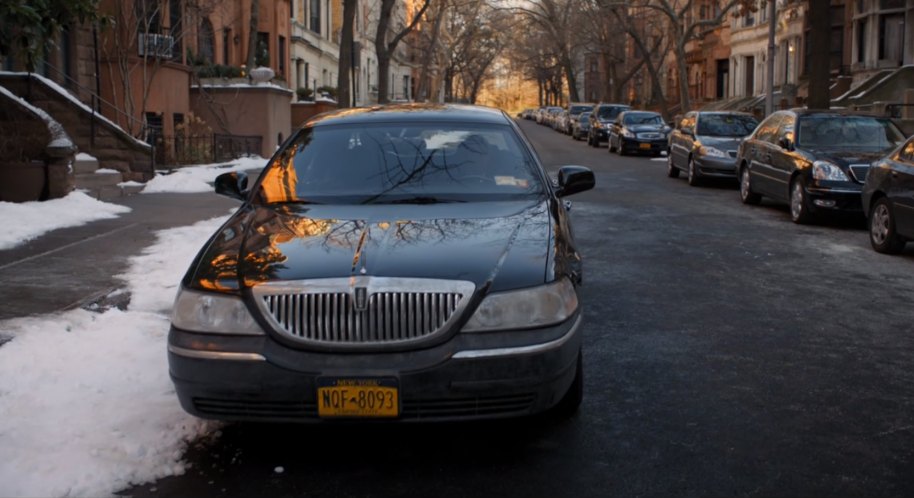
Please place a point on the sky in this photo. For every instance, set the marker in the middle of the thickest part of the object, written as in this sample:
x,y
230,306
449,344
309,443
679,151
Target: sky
x,y
86,404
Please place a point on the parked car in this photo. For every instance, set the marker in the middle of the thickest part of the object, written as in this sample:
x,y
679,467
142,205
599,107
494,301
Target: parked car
x,y
704,144
552,113
580,126
560,122
636,132
600,119
888,200
574,112
816,161
402,263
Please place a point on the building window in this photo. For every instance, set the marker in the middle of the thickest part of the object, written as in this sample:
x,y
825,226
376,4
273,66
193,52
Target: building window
x,y
226,42
262,56
206,42
861,40
175,19
148,16
315,16
891,37
282,55
749,19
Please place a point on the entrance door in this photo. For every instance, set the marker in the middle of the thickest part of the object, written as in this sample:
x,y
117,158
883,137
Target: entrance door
x,y
723,77
750,76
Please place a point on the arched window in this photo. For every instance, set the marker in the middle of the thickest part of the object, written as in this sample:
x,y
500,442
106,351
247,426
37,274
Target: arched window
x,y
206,42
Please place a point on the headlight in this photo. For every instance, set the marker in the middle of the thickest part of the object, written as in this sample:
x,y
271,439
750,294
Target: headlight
x,y
598,125
527,308
711,152
824,170
627,134
214,313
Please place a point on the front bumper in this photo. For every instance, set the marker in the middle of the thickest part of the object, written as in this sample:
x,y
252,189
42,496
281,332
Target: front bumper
x,y
600,134
825,196
716,167
472,376
635,145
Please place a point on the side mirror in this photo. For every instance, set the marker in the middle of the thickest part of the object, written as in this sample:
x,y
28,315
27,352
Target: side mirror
x,y
785,143
574,179
232,185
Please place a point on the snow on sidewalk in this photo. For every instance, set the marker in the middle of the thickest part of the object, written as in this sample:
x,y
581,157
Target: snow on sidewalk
x,y
27,220
86,404
189,179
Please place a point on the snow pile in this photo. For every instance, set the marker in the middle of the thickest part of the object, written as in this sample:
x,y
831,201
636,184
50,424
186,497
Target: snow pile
x,y
28,220
86,404
200,178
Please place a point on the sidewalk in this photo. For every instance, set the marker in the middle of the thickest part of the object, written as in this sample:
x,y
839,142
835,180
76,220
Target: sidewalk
x,y
74,266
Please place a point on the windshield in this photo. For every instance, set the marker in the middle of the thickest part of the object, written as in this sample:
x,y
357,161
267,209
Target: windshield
x,y
584,117
610,112
642,118
424,162
858,132
578,109
726,125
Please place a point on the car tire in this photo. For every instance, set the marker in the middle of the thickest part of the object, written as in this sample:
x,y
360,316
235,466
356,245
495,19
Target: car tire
x,y
745,188
671,170
621,148
571,400
799,203
881,224
692,174
609,144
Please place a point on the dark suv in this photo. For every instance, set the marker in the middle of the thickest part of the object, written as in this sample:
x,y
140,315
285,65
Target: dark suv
x,y
600,119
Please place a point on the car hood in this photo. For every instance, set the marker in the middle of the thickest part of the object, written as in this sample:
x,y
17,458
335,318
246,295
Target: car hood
x,y
722,143
504,244
844,157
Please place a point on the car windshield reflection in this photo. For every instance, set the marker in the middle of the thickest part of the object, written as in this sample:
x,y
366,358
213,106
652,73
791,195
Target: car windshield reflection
x,y
857,132
418,164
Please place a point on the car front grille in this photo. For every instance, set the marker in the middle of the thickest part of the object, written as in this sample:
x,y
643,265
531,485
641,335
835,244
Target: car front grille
x,y
859,171
467,407
650,136
392,311
731,153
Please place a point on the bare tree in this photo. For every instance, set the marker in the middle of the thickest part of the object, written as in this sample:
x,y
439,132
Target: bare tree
x,y
344,68
556,19
429,46
819,63
252,34
384,47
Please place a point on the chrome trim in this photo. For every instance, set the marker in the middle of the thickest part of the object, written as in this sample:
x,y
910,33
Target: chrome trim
x,y
520,350
214,355
829,190
400,311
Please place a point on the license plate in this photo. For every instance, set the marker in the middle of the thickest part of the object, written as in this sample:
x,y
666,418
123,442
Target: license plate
x,y
358,397
644,146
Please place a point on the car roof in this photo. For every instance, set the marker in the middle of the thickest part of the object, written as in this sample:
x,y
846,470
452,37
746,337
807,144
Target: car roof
x,y
411,113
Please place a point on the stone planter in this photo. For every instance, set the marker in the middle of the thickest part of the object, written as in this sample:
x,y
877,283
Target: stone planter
x,y
22,181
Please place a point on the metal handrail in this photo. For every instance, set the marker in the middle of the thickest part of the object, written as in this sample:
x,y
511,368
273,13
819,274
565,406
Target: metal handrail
x,y
97,98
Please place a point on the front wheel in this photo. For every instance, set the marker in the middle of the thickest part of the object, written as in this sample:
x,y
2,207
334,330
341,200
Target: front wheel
x,y
671,170
745,188
799,204
694,176
883,236
609,144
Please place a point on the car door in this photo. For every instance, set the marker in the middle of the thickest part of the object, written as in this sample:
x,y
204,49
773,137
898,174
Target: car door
x,y
759,149
784,160
682,142
903,190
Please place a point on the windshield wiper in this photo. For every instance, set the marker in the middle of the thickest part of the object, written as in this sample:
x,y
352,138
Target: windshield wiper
x,y
419,200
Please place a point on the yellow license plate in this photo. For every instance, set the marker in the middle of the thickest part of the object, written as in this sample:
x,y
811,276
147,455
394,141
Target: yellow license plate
x,y
644,146
358,398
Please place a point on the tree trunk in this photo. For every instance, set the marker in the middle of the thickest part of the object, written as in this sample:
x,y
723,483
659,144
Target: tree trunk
x,y
252,34
819,57
422,90
344,68
383,76
380,46
572,80
685,101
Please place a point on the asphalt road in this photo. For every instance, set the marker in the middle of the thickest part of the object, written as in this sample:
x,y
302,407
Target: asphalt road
x,y
728,352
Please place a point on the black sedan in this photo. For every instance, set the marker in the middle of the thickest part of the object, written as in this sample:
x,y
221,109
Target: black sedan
x,y
888,200
816,161
704,144
401,263
635,132
600,119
